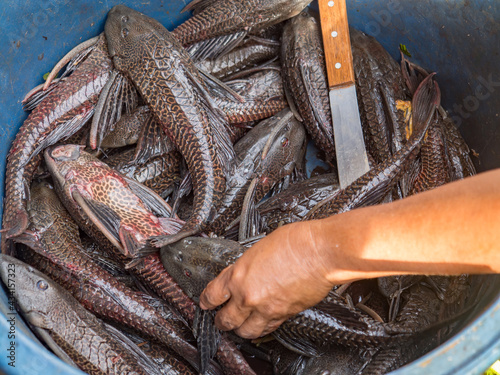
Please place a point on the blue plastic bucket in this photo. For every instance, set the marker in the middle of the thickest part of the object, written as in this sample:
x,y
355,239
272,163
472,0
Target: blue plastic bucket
x,y
458,39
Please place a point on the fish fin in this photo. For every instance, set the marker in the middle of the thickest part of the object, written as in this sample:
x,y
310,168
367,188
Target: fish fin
x,y
29,239
197,6
118,95
207,336
171,225
38,320
324,124
302,346
37,95
215,47
249,221
150,367
49,341
184,188
131,246
343,313
218,126
163,240
63,131
152,142
426,100
102,216
268,65
152,200
413,74
291,104
218,88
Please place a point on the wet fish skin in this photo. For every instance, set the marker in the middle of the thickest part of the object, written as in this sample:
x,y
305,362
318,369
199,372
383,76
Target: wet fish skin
x,y
304,75
74,98
58,252
102,201
151,272
126,131
379,84
160,174
229,16
185,111
286,150
293,204
79,333
248,55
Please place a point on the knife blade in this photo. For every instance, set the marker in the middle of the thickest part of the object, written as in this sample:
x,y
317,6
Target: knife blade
x,y
352,160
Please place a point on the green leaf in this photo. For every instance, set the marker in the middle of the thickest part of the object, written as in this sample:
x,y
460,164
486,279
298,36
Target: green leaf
x,y
45,76
403,49
494,369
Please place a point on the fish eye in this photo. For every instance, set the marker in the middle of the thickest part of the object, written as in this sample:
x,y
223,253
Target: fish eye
x,y
42,285
125,19
125,32
284,142
187,272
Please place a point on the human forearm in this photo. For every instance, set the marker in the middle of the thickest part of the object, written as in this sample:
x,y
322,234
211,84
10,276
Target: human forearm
x,y
450,230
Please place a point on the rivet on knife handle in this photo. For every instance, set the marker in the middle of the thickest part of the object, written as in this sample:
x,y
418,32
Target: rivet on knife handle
x,y
336,41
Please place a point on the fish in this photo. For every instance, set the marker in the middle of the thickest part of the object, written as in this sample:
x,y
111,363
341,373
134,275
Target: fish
x,y
76,331
282,138
219,17
58,252
160,173
62,113
249,55
114,210
186,111
379,85
305,81
263,94
126,131
293,204
374,185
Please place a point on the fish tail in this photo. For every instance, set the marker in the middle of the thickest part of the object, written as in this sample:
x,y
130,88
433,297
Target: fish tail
x,y
426,100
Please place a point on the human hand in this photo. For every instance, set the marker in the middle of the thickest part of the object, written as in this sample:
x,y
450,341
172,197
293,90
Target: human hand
x,y
278,277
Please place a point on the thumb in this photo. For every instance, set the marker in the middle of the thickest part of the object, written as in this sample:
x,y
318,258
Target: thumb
x,y
216,292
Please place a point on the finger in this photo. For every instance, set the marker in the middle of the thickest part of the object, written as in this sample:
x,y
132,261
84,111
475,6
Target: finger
x,y
253,327
272,326
231,316
216,292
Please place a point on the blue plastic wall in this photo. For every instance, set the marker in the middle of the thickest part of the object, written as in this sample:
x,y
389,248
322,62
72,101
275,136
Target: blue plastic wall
x,y
459,39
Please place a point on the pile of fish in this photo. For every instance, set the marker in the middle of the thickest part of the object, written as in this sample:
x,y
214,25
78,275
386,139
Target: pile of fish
x,y
157,158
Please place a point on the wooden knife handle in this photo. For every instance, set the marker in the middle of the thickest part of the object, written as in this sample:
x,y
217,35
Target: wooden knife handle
x,y
338,54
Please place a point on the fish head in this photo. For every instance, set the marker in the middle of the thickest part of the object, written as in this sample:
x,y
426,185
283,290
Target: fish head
x,y
126,31
304,22
42,204
35,292
62,160
285,148
195,261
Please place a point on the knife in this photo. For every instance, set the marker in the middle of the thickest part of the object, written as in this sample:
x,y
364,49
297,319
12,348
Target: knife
x,y
352,160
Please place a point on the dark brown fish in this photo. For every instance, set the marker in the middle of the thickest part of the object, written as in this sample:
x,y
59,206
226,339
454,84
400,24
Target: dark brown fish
x,y
249,55
108,206
219,17
433,168
76,331
304,75
263,93
55,239
294,203
283,138
61,114
374,185
160,174
126,131
379,84
140,44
